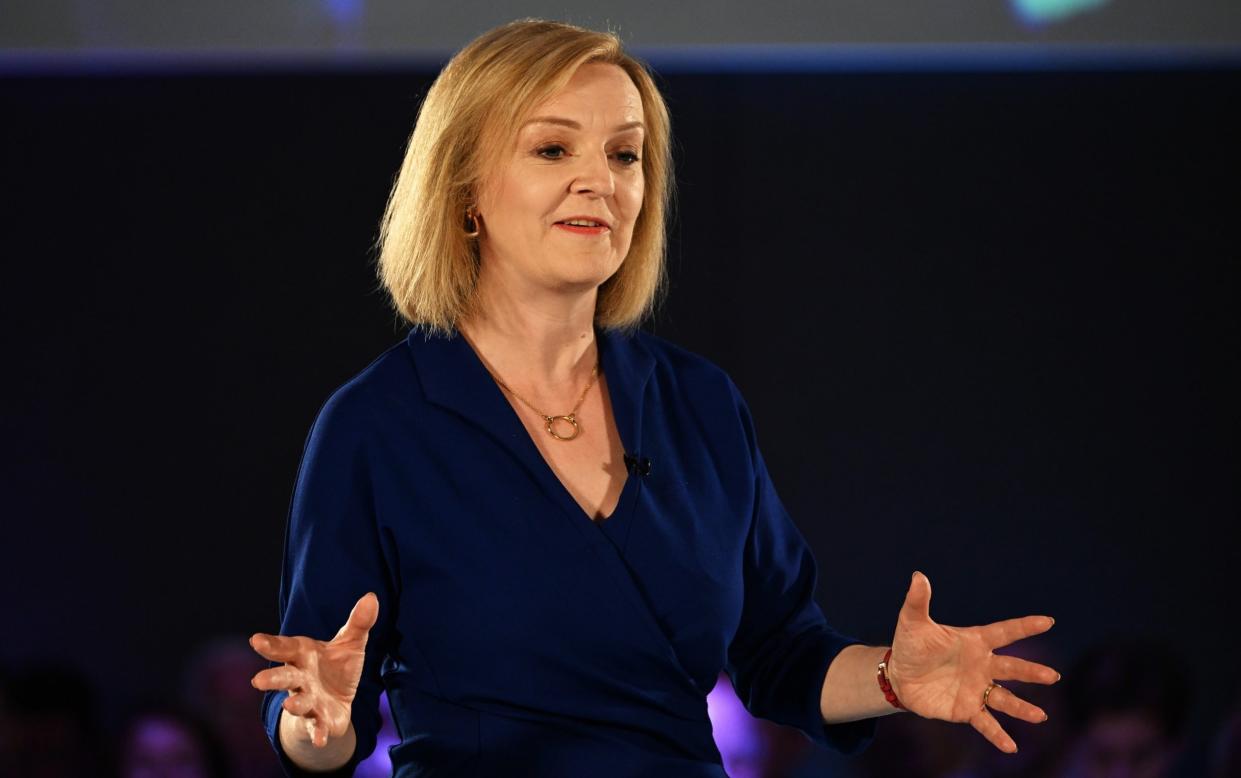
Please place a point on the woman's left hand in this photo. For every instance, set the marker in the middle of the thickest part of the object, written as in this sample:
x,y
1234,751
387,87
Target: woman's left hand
x,y
943,672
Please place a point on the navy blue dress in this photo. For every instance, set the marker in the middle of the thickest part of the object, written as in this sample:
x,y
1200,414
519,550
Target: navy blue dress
x,y
516,636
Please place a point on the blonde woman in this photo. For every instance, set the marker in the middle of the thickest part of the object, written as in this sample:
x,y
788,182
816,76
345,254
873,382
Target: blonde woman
x,y
543,530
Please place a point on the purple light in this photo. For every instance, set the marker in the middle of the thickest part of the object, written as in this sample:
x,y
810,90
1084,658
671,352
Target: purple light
x,y
344,11
738,735
379,764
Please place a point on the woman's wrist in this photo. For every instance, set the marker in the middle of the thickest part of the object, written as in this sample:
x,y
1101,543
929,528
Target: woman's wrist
x,y
849,690
883,675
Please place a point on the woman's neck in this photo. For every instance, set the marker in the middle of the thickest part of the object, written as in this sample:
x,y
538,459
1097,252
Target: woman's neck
x,y
542,344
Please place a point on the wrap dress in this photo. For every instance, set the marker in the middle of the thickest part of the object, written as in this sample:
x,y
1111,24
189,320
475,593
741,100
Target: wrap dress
x,y
516,635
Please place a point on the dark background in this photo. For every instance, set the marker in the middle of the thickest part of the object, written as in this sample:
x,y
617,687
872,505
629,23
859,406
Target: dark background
x,y
986,321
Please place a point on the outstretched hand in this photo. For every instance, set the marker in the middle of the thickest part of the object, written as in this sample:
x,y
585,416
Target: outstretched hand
x,y
321,676
943,672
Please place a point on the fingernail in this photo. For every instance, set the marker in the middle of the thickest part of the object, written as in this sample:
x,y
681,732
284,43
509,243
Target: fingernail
x,y
1044,716
1057,676
1053,620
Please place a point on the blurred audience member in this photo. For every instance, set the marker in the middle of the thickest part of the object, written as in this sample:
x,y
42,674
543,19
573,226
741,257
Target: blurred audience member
x,y
216,686
1226,750
53,730
162,742
1128,704
911,747
752,748
7,743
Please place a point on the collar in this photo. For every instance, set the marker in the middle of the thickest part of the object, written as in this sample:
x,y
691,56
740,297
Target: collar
x,y
453,377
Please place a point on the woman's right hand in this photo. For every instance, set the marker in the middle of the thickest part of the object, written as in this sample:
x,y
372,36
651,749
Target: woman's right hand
x,y
321,676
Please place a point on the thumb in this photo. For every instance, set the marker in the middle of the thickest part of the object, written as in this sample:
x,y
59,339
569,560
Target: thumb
x,y
918,599
363,616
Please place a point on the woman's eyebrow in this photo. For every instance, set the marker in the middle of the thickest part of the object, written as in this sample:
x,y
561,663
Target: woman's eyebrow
x,y
575,125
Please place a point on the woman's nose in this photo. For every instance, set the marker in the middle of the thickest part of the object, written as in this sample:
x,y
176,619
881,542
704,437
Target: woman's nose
x,y
594,176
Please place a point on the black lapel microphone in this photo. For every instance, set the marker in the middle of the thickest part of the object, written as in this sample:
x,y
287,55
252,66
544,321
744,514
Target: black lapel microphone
x,y
637,464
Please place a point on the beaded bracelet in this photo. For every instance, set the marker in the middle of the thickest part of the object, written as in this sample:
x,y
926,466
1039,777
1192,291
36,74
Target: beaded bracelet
x,y
885,685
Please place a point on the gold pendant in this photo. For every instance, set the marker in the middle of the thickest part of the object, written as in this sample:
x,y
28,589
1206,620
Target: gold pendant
x,y
551,420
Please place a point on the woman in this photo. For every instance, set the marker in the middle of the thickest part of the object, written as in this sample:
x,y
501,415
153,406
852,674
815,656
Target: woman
x,y
545,531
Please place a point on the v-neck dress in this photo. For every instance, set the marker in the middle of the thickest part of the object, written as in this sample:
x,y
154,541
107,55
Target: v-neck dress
x,y
516,636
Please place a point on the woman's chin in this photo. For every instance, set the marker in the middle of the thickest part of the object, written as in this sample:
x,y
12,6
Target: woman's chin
x,y
584,278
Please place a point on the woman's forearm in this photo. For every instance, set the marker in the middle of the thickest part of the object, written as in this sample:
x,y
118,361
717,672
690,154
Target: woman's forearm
x,y
850,690
296,743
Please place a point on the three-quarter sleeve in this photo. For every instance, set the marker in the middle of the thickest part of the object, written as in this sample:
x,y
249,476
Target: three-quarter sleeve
x,y
333,556
779,656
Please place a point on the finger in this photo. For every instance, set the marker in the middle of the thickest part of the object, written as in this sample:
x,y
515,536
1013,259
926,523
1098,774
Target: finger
x,y
299,704
918,598
986,725
282,677
1004,701
318,733
1011,668
1001,633
277,648
363,616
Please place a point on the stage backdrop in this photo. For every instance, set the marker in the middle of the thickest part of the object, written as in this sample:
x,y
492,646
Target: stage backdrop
x,y
327,29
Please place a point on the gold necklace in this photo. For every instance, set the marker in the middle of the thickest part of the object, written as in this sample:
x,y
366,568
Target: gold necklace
x,y
550,421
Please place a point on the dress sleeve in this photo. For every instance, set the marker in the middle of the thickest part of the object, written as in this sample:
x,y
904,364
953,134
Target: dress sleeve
x,y
333,556
783,646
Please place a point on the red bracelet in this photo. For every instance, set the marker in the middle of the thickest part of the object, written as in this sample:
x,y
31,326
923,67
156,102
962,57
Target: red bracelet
x,y
886,686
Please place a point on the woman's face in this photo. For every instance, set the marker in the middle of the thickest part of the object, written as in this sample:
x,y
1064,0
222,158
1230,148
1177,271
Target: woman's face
x,y
576,155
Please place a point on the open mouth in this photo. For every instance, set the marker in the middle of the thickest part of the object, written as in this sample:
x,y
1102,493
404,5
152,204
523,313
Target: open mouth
x,y
585,226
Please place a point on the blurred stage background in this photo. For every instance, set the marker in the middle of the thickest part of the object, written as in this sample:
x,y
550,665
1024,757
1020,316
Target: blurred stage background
x,y
974,265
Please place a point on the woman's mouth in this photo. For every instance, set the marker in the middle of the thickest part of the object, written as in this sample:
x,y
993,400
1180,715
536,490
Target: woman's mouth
x,y
582,226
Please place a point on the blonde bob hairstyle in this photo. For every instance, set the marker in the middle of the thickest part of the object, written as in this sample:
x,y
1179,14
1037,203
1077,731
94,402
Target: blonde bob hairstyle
x,y
467,121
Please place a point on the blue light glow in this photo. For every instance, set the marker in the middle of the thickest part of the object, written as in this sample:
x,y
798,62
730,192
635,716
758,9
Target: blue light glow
x,y
344,10
1037,13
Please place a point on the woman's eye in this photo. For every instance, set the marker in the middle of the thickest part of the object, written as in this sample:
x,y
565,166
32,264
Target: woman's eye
x,y
556,151
551,149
